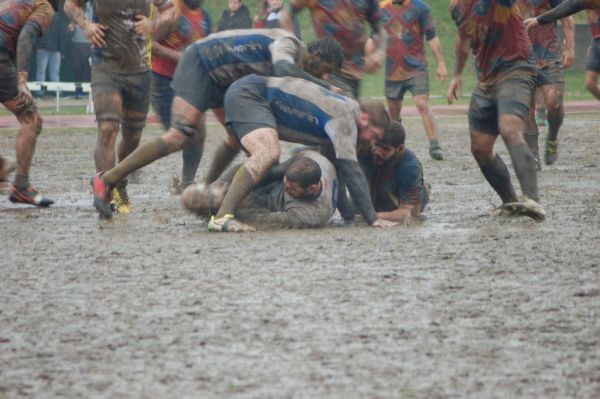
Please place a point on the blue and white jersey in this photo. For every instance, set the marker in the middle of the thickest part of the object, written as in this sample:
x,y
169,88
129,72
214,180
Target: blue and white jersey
x,y
231,54
302,111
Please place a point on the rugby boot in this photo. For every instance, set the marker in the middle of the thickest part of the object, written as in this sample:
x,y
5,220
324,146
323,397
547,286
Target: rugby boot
x,y
228,224
120,200
526,207
102,196
29,196
551,154
7,166
435,151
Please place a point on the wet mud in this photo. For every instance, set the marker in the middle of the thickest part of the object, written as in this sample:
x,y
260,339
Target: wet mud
x,y
465,304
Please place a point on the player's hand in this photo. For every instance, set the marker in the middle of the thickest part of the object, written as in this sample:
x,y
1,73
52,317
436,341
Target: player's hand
x,y
336,89
95,34
383,223
71,27
531,23
374,61
23,89
143,25
568,57
442,73
454,90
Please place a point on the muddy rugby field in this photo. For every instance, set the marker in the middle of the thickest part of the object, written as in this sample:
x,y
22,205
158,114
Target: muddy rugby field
x,y
466,304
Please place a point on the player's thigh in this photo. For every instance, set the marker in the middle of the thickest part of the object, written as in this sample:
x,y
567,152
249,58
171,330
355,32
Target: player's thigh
x,y
107,96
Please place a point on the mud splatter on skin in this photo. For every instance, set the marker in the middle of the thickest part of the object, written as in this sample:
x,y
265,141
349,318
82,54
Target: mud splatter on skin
x,y
465,304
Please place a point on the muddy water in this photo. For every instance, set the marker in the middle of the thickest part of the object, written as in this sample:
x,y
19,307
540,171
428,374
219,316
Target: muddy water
x,y
466,304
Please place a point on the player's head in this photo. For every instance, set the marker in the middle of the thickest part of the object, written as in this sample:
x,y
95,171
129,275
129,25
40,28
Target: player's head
x,y
391,144
193,4
303,178
373,121
325,56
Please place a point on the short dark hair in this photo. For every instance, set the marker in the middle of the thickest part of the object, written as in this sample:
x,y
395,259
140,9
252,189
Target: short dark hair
x,y
329,49
378,115
394,135
303,171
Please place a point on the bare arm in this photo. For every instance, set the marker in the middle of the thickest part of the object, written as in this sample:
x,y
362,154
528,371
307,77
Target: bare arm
x,y
158,50
285,68
26,47
93,31
563,10
404,215
461,51
158,26
375,59
436,48
568,56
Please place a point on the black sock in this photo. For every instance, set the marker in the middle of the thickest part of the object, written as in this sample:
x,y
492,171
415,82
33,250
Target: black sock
x,y
496,173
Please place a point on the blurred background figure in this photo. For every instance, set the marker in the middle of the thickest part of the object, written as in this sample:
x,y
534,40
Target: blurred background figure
x,y
49,53
81,52
236,16
275,7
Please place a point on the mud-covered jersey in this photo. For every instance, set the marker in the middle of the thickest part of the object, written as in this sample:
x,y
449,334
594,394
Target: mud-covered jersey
x,y
313,212
407,25
125,51
13,16
544,38
594,21
400,183
345,21
191,25
497,36
231,54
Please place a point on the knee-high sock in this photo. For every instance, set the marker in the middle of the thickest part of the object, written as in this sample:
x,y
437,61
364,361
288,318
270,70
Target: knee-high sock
x,y
142,156
223,156
191,154
554,123
531,138
525,168
241,185
496,173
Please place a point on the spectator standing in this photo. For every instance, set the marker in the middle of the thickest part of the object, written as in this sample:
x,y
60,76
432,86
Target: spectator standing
x,y
48,53
81,51
274,12
236,16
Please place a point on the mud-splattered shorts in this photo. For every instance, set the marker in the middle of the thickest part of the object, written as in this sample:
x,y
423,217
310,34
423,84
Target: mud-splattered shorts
x,y
134,90
395,90
593,56
8,78
193,83
550,74
511,96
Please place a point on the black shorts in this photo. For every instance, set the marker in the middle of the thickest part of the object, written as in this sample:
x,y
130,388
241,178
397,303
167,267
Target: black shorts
x,y
247,107
550,74
134,90
394,90
9,87
593,56
193,83
511,96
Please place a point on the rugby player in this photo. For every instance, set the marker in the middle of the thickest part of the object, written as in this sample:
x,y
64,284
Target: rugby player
x,y
263,110
500,103
121,75
550,64
345,20
21,22
592,66
395,177
298,193
201,78
408,23
191,23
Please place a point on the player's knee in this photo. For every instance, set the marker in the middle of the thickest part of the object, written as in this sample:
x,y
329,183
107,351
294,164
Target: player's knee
x,y
422,106
133,126
591,83
481,154
107,131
